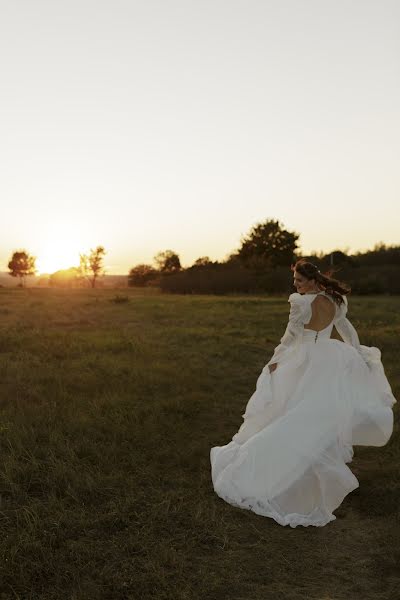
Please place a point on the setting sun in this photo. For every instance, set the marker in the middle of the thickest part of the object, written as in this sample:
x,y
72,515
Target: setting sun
x,y
61,244
58,255
51,263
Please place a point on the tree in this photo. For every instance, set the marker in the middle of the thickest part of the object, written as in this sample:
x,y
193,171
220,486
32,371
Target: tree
x,y
203,261
22,265
381,254
141,275
167,262
269,243
91,266
338,258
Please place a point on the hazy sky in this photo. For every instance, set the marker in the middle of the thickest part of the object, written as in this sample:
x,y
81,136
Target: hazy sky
x,y
146,125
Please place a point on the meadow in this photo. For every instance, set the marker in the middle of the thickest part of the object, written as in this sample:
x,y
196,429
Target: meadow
x,y
110,401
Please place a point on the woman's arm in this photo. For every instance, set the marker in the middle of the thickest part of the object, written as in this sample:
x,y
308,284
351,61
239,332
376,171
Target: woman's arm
x,y
345,329
292,332
349,335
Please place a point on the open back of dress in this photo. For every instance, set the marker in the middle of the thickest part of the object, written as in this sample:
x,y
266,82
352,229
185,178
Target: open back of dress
x,y
323,311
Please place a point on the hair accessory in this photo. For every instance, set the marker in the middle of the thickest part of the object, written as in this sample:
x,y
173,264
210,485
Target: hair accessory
x,y
315,267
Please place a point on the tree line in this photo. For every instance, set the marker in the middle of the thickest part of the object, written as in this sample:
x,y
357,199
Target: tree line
x,y
260,264
23,265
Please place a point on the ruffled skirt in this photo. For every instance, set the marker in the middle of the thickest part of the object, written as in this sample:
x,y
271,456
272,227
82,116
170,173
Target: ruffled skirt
x,y
288,461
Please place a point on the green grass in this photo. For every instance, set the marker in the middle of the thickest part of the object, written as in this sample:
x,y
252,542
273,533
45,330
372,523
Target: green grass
x,y
108,412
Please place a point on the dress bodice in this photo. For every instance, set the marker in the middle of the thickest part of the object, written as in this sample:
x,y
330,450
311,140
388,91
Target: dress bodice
x,y
312,335
300,315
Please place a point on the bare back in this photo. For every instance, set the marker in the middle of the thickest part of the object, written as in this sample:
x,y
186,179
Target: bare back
x,y
323,312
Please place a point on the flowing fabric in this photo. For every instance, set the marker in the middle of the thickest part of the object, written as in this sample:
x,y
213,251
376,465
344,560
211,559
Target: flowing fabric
x,y
288,461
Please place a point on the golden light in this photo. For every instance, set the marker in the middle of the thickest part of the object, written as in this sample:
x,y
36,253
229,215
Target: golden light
x,y
54,255
61,241
60,260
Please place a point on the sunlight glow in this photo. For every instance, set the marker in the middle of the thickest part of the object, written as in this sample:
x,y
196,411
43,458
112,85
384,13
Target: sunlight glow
x,y
60,260
54,255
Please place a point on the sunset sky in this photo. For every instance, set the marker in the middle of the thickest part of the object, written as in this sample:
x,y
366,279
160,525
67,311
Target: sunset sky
x,y
146,125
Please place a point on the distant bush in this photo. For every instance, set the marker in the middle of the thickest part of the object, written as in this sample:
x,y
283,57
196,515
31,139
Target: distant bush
x,y
141,275
371,284
381,255
65,278
224,278
216,279
374,280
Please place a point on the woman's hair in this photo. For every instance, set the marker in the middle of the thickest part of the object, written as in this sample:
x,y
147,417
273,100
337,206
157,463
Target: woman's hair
x,y
335,288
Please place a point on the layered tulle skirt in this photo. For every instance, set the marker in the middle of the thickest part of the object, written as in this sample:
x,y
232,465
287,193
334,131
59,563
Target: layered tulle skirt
x,y
288,461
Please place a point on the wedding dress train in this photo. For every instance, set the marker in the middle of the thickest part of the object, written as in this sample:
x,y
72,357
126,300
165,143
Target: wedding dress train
x,y
288,461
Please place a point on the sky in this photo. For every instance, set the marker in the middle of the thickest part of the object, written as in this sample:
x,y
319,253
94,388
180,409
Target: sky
x,y
147,125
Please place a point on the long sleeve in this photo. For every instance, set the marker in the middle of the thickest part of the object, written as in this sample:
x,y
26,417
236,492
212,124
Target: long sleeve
x,y
348,333
350,336
293,329
370,354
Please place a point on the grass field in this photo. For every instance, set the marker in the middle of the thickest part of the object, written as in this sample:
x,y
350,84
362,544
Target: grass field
x,y
108,413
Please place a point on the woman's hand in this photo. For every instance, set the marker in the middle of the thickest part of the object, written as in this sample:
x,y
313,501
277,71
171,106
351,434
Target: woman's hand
x,y
272,367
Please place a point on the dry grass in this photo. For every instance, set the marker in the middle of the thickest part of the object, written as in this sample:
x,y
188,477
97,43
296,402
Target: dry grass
x,y
108,413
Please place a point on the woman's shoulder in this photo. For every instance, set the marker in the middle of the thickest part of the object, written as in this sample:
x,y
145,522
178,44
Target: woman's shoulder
x,y
298,307
304,301
296,298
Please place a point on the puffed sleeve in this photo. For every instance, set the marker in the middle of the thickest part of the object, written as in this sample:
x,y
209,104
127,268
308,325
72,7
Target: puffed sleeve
x,y
293,330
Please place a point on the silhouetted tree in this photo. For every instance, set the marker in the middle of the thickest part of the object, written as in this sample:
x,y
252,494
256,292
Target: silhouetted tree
x,y
91,266
232,258
268,243
381,254
22,265
141,275
167,262
203,261
337,258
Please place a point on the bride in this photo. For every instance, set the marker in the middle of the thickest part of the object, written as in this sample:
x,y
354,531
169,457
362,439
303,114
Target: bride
x,y
314,400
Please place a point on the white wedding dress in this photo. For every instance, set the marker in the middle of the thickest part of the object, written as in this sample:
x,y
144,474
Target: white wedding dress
x,y
288,459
